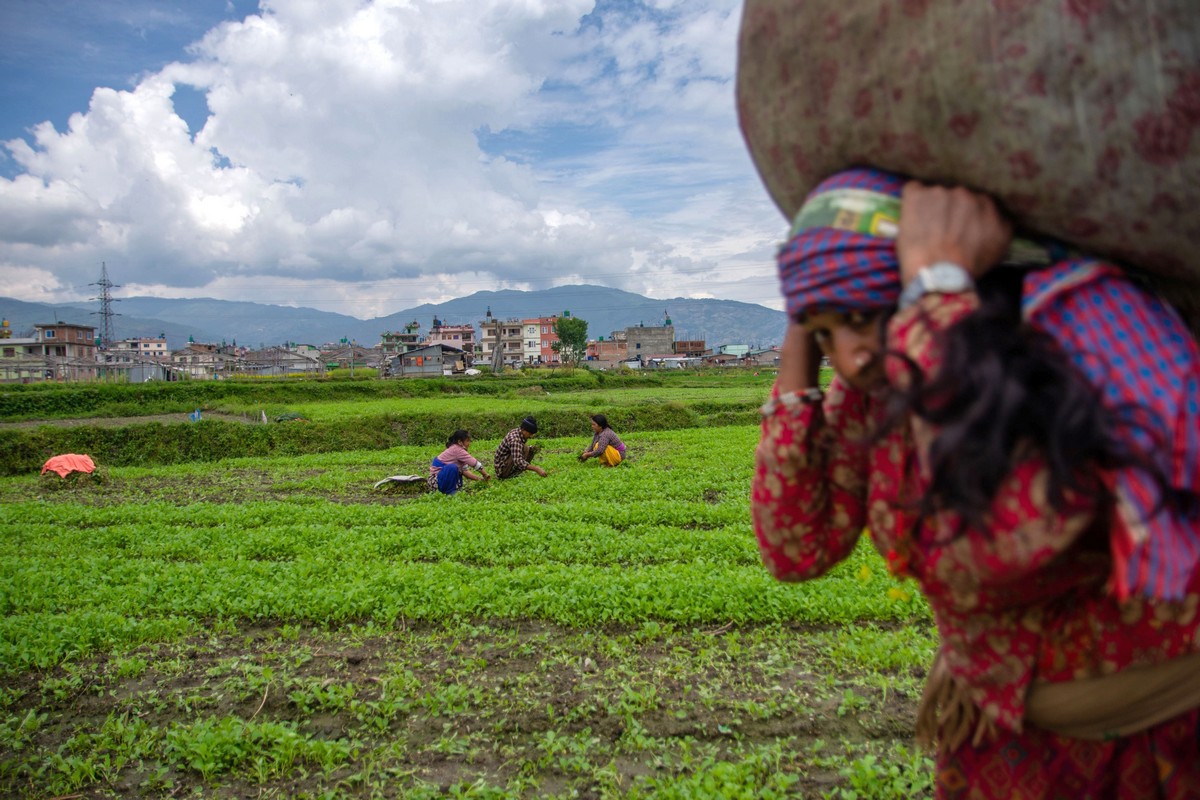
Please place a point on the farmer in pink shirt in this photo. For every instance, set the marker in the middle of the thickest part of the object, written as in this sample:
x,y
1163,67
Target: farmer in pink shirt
x,y
446,472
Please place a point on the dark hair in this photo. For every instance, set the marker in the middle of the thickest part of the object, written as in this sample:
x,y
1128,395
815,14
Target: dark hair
x,y
458,437
1004,391
600,420
529,424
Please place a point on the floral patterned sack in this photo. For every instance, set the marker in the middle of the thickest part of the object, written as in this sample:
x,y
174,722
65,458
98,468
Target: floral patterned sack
x,y
1080,116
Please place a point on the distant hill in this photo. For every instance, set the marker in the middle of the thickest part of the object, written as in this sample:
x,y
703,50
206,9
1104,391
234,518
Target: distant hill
x,y
255,324
22,316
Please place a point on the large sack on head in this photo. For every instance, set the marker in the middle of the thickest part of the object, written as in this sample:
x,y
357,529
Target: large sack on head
x,y
1080,116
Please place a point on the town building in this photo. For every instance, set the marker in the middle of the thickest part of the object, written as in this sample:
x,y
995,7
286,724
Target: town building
x,y
768,357
723,360
670,361
458,336
14,347
17,363
632,362
428,361
531,345
642,340
396,342
139,369
539,339
203,361
607,351
65,340
278,361
137,360
692,348
58,352
350,356
500,342
155,348
68,350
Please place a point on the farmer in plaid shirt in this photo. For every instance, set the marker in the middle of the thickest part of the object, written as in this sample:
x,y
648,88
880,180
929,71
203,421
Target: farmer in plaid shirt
x,y
514,453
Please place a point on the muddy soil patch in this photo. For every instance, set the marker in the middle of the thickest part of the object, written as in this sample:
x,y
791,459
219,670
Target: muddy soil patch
x,y
528,708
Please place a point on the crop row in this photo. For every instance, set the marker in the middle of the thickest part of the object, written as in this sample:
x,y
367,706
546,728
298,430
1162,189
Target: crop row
x,y
595,537
319,592
615,404
666,536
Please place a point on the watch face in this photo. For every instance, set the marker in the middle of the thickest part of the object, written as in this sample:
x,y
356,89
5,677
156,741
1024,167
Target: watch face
x,y
945,277
941,277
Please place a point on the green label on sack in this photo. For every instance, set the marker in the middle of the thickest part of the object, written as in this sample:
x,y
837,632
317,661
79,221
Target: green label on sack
x,y
876,214
855,210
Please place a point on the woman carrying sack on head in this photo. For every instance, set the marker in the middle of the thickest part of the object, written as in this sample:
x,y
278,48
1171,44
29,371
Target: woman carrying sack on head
x,y
1024,441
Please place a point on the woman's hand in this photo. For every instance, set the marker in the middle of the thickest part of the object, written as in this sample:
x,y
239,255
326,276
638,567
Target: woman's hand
x,y
799,360
949,224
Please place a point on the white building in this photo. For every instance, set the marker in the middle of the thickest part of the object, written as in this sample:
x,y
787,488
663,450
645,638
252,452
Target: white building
x,y
140,346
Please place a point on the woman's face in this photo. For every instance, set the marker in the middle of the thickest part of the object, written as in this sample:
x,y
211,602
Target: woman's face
x,y
853,341
596,427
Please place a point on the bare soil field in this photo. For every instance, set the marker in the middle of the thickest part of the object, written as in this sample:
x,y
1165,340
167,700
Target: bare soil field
x,y
539,709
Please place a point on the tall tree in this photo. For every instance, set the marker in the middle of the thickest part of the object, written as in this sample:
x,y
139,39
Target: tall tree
x,y
572,339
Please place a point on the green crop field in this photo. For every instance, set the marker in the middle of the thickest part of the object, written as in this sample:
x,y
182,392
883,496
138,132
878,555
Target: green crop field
x,y
273,626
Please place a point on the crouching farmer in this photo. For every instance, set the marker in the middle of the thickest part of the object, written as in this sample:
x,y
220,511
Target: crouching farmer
x,y
514,453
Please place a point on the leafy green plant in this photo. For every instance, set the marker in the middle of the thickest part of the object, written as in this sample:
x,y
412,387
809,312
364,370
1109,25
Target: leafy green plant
x,y
851,703
217,746
902,775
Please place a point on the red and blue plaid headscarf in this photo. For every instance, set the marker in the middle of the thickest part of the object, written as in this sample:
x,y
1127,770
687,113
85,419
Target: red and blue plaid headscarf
x,y
841,270
1126,341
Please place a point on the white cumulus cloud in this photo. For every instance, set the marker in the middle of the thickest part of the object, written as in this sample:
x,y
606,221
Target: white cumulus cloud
x,y
364,157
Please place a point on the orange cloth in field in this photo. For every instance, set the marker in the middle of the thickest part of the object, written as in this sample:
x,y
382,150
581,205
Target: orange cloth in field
x,y
66,464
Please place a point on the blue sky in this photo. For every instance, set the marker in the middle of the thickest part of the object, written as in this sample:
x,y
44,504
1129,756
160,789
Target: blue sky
x,y
364,156
53,53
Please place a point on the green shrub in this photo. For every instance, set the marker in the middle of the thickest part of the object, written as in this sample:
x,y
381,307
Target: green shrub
x,y
145,444
58,401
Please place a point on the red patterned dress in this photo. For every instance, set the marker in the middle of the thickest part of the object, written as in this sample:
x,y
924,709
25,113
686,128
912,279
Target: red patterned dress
x,y
1031,600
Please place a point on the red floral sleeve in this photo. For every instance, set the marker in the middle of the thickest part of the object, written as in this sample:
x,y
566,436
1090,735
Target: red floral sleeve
x,y
1024,534
808,495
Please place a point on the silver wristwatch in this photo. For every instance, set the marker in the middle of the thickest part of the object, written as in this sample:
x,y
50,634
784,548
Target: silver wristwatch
x,y
941,276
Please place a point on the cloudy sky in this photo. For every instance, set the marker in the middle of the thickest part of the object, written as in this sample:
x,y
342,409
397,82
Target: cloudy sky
x,y
365,156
